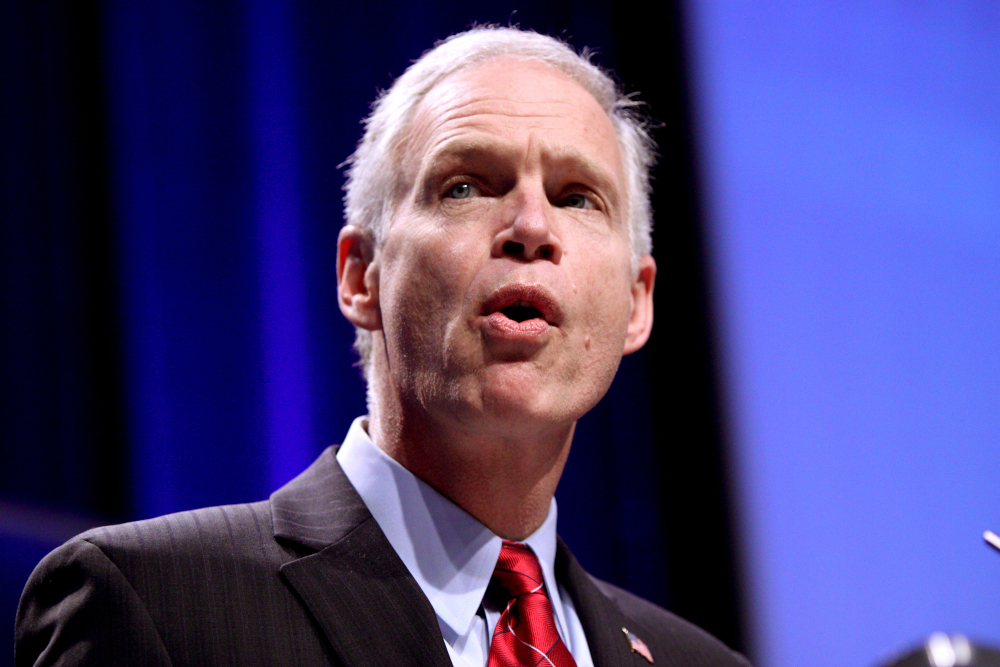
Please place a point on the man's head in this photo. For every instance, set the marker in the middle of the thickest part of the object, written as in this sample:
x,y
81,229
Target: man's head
x,y
374,178
497,245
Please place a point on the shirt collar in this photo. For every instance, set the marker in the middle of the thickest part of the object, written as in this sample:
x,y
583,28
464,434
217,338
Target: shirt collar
x,y
449,553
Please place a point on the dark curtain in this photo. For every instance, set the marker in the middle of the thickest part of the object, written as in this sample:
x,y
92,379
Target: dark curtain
x,y
170,201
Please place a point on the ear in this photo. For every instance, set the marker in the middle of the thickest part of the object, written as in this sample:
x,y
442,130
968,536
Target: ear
x,y
357,278
641,323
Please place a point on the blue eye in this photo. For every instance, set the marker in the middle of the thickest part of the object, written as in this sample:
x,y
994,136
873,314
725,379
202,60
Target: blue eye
x,y
460,191
575,201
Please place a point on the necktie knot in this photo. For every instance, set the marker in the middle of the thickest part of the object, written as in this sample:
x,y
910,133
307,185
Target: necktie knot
x,y
518,571
526,634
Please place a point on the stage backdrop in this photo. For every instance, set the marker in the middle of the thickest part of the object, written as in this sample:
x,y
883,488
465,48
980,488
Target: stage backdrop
x,y
851,155
170,200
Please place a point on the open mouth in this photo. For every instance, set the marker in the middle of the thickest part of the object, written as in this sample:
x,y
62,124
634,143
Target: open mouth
x,y
521,312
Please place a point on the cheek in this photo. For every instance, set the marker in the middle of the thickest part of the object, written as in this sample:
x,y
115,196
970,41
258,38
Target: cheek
x,y
423,290
610,308
609,297
597,354
607,326
604,301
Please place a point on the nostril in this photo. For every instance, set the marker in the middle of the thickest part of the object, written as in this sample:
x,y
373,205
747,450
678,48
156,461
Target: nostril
x,y
513,248
545,251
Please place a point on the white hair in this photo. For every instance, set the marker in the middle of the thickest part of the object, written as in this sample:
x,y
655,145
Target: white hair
x,y
373,176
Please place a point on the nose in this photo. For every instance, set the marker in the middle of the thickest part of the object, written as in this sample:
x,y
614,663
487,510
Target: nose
x,y
529,235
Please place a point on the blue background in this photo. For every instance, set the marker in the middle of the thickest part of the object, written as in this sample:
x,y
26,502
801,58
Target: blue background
x,y
171,197
852,155
804,458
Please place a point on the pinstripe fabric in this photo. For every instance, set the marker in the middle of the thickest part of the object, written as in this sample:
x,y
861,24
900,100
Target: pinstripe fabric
x,y
305,579
198,587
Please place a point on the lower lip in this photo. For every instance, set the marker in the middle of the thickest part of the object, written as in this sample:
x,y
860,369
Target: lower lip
x,y
503,325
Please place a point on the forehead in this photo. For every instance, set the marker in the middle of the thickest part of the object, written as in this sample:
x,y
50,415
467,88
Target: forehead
x,y
513,106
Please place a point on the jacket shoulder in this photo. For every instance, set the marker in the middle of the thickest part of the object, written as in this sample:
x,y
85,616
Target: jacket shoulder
x,y
679,638
195,587
207,529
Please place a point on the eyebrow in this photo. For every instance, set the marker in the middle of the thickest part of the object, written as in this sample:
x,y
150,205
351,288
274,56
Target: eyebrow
x,y
462,155
584,170
475,151
484,153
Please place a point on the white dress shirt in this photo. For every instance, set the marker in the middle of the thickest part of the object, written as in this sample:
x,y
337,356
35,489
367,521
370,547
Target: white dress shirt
x,y
449,553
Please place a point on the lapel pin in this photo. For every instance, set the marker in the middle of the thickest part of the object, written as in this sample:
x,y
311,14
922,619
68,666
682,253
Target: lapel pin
x,y
637,645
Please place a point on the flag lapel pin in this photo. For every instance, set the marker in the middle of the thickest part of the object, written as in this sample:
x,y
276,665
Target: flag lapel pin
x,y
637,645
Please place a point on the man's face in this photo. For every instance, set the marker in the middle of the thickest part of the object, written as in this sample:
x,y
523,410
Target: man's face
x,y
505,286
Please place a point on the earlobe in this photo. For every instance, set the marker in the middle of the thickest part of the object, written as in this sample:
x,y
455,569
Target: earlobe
x,y
640,324
357,278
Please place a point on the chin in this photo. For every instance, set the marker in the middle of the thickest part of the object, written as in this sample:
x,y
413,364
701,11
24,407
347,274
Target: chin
x,y
534,403
524,397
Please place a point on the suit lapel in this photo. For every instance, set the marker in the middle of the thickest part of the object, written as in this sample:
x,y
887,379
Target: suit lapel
x,y
601,619
602,622
370,608
360,593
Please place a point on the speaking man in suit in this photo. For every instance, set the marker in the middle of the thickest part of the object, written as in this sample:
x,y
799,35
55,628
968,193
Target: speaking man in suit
x,y
496,264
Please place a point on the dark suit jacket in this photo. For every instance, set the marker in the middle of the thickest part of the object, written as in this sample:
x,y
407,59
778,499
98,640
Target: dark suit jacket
x,y
307,578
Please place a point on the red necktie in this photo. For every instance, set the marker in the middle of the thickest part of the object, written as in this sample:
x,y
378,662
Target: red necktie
x,y
526,634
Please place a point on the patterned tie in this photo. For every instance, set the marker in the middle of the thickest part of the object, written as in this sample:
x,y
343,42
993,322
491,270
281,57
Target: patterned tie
x,y
526,634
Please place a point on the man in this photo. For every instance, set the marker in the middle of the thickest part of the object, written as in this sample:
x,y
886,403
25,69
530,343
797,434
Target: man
x,y
496,265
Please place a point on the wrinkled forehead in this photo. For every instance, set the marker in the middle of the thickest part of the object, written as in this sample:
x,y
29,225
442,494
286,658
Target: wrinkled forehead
x,y
505,96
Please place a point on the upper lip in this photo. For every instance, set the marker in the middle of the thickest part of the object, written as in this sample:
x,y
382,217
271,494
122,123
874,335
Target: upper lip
x,y
534,295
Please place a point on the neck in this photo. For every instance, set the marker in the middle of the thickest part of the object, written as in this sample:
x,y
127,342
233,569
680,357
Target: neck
x,y
504,479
